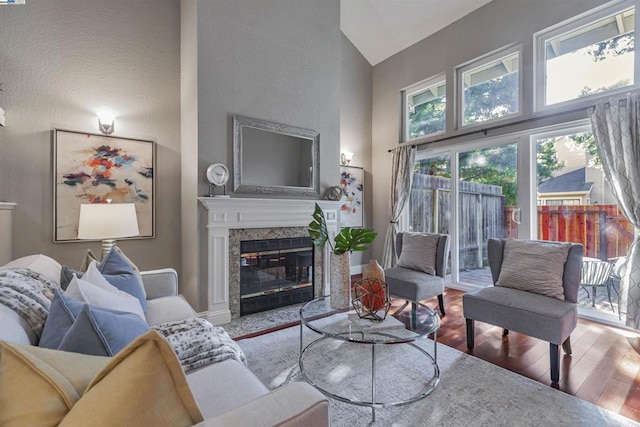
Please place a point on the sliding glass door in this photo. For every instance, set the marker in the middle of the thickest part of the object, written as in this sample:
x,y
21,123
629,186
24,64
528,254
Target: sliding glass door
x,y
544,184
487,197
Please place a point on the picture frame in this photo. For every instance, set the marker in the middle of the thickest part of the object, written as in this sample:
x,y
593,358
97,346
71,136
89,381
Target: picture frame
x,y
352,201
91,168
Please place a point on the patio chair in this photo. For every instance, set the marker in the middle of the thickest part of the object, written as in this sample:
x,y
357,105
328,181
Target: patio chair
x,y
416,284
529,312
596,274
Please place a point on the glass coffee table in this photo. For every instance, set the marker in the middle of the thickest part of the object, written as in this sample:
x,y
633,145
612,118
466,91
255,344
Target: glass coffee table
x,y
345,326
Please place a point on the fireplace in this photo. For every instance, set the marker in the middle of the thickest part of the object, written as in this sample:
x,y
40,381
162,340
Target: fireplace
x,y
275,273
231,221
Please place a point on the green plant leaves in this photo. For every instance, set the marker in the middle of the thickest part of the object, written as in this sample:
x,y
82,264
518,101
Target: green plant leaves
x,y
348,240
353,239
318,228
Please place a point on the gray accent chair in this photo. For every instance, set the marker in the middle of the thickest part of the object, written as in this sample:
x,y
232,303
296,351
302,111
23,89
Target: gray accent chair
x,y
539,316
414,285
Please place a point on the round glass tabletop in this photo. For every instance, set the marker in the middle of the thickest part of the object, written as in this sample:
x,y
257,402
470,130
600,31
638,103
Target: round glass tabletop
x,y
408,326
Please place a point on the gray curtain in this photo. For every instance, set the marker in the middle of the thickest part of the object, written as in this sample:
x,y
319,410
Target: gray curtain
x,y
402,164
616,130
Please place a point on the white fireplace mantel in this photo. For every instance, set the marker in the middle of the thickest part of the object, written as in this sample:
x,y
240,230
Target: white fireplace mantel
x,y
225,214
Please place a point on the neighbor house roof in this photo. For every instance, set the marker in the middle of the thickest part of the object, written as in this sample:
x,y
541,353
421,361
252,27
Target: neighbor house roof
x,y
573,181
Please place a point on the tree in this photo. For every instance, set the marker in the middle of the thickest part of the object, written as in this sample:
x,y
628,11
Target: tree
x,y
491,99
615,46
427,118
494,166
587,142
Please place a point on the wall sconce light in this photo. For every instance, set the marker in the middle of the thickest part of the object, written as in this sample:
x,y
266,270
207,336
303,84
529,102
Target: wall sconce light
x,y
106,122
345,158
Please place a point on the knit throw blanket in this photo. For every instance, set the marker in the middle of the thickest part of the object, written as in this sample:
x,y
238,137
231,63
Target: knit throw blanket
x,y
27,293
198,343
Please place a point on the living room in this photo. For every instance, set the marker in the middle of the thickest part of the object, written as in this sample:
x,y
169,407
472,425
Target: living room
x,y
175,72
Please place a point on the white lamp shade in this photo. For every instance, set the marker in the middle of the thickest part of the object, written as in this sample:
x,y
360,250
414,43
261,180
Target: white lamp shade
x,y
107,221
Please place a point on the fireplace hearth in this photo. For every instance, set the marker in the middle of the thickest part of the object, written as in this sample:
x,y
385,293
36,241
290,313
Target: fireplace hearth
x,y
275,273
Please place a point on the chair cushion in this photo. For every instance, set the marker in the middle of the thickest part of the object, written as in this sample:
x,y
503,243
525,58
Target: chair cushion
x,y
229,381
546,318
534,267
168,309
412,284
419,252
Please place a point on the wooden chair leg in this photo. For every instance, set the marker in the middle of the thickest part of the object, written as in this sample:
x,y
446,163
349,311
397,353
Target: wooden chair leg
x,y
470,333
441,303
505,332
554,358
566,345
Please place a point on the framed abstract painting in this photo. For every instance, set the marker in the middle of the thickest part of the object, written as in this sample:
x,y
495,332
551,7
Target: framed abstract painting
x,y
352,184
90,168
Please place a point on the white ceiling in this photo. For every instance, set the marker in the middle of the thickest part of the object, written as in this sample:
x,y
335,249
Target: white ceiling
x,y
382,28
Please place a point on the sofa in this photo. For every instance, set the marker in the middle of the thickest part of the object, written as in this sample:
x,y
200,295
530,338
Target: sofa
x,y
227,393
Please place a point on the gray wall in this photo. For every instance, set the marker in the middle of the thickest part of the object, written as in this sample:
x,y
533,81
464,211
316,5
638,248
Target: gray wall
x,y
493,26
61,60
276,60
355,126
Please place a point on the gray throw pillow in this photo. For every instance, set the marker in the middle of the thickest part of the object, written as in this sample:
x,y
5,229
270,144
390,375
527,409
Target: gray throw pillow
x,y
419,252
536,267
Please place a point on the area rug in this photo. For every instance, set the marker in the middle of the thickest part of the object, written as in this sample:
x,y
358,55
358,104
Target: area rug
x,y
471,392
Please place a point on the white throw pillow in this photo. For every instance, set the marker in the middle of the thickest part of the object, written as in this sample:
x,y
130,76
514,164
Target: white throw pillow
x,y
419,252
93,276
96,295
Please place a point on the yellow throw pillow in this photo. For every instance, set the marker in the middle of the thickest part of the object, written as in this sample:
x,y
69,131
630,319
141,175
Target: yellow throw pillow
x,y
39,386
142,385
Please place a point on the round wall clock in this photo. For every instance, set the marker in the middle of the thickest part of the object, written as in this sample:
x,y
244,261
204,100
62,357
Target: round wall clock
x,y
218,175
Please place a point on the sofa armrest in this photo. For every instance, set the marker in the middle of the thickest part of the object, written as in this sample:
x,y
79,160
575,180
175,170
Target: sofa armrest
x,y
160,283
295,404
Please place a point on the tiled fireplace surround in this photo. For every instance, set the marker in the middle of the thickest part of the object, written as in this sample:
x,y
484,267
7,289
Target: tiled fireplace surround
x,y
231,220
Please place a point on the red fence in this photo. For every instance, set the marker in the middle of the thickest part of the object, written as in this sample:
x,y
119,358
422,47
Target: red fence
x,y
602,229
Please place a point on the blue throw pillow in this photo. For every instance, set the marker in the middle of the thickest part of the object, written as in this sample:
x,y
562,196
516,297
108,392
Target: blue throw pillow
x,y
118,271
102,332
62,313
116,268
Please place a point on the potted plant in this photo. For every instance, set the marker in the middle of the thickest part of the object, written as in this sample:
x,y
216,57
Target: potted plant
x,y
346,241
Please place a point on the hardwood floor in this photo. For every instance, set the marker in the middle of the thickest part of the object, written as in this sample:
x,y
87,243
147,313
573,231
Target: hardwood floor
x,y
604,368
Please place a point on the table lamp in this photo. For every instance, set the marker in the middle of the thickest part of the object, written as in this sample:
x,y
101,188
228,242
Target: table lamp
x,y
107,222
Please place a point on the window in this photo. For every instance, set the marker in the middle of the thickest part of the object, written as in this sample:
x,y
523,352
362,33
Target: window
x,y
490,87
424,108
586,56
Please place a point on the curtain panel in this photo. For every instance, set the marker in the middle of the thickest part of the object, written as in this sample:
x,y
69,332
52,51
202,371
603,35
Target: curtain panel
x,y
616,129
402,164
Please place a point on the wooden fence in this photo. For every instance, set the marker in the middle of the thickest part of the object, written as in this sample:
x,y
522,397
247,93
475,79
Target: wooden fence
x,y
602,229
482,212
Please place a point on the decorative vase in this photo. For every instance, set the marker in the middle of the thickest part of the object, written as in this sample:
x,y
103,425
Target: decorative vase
x,y
340,281
373,271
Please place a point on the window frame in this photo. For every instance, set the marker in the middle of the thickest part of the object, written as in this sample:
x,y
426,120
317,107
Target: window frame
x,y
478,63
577,22
412,89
